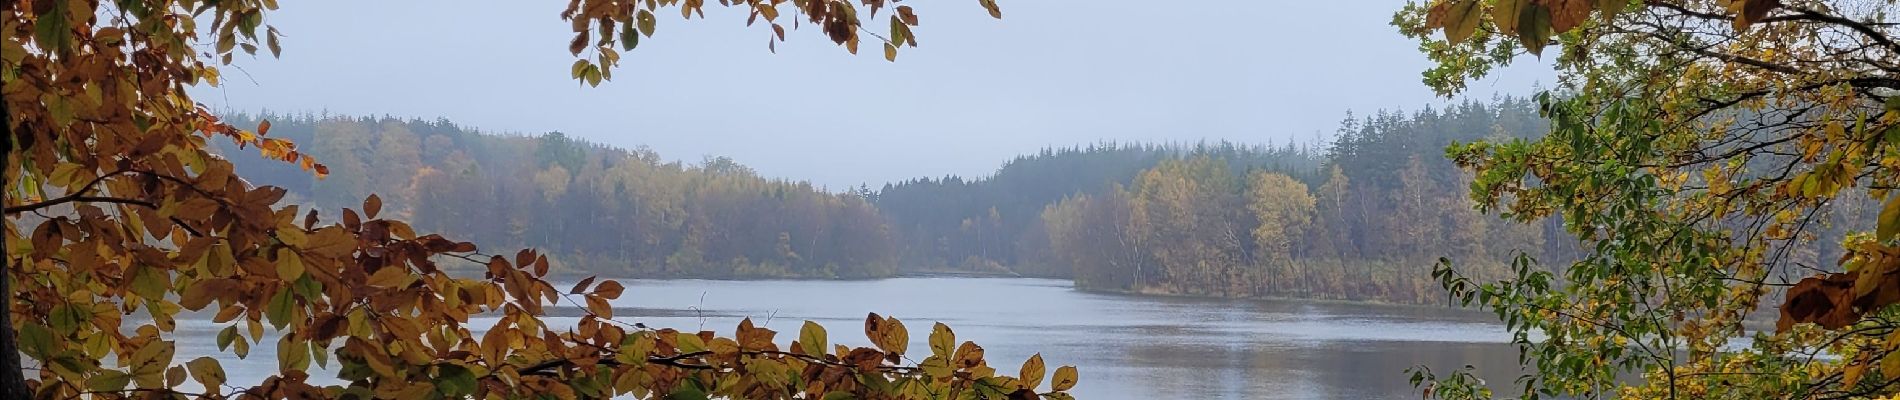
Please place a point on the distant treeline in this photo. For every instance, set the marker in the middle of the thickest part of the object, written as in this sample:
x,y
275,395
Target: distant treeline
x,y
1360,217
596,209
1363,218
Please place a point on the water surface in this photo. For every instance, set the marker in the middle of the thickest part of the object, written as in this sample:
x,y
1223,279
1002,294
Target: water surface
x,y
1127,347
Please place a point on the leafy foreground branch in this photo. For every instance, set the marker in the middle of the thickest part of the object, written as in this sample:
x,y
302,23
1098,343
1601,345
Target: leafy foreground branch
x,y
1697,147
115,207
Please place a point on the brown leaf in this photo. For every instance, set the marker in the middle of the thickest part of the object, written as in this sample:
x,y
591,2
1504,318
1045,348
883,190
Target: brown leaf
x,y
871,327
579,43
968,355
582,287
1567,14
1754,11
372,206
1825,300
1435,16
865,358
599,306
609,289
909,16
202,293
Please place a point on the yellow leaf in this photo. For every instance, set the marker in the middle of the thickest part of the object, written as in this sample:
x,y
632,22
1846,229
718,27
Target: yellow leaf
x,y
811,339
206,371
333,242
292,236
1065,378
1850,375
1032,372
896,337
969,355
390,276
1462,20
941,340
1504,14
174,376
289,264
1890,366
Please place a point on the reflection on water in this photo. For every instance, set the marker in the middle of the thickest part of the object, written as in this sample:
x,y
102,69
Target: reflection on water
x,y
1127,347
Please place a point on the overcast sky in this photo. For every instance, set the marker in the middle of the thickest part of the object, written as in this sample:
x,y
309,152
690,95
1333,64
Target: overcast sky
x,y
977,92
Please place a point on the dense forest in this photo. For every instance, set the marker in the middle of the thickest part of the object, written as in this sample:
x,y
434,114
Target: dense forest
x,y
1363,218
595,209
1360,217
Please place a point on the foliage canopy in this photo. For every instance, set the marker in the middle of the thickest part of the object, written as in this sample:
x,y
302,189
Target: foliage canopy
x,y
1694,146
120,219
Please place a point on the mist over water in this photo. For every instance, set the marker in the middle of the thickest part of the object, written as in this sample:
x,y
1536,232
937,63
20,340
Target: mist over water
x,y
1127,347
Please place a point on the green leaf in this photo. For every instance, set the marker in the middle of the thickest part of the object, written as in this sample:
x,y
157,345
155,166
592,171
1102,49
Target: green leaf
x,y
898,30
579,68
110,380
646,22
811,339
292,354
320,354
455,381
36,341
226,336
629,38
149,283
53,31
1533,29
278,311
687,392
689,343
1889,223
67,317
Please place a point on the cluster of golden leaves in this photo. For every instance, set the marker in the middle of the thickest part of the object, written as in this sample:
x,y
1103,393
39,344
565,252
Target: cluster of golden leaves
x,y
119,219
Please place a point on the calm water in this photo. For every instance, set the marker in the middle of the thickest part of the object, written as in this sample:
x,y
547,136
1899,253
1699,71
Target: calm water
x,y
1127,347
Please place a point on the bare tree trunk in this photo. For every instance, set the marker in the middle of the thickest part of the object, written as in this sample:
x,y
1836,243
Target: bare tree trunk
x,y
12,372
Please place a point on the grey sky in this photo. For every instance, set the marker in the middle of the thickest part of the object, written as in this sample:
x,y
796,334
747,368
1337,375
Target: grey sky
x,y
977,92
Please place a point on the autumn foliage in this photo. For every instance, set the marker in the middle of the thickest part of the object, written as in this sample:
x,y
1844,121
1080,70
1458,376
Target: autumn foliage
x,y
1698,147
120,220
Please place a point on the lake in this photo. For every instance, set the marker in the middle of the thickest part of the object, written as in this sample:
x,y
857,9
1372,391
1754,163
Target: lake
x,y
1127,347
